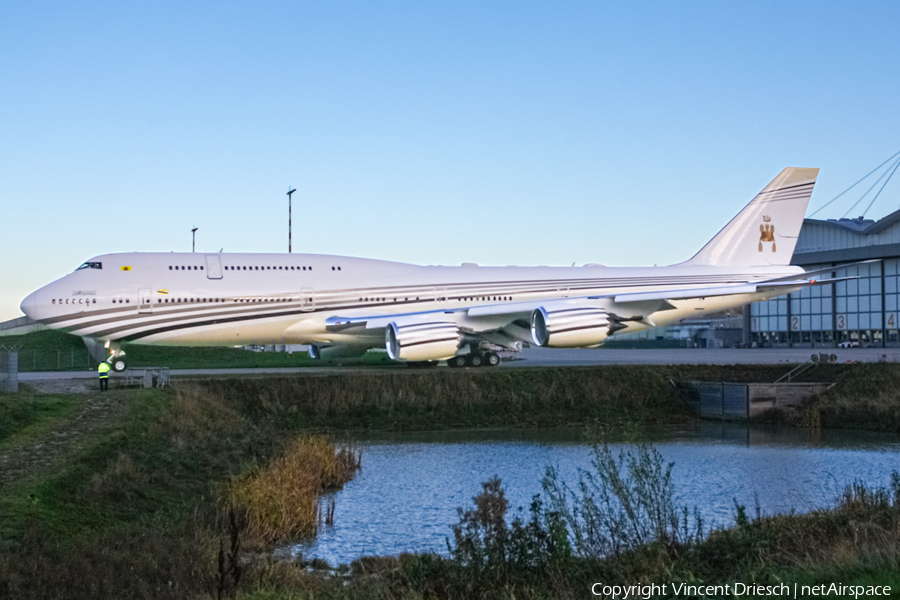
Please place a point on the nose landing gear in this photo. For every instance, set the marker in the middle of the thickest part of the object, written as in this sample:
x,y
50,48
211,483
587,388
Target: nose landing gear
x,y
116,358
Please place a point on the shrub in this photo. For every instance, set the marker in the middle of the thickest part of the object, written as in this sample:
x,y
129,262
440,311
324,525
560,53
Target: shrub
x,y
627,500
484,544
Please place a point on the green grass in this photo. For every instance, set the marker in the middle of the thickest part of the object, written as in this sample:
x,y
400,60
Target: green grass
x,y
865,396
63,501
26,415
133,506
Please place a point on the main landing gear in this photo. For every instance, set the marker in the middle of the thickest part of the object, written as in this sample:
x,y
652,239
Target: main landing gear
x,y
475,359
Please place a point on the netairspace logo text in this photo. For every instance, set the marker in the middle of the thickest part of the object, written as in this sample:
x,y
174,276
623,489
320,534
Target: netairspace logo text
x,y
736,590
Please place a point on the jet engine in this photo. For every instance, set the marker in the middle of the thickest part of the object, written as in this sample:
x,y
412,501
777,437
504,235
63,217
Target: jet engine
x,y
317,351
421,341
572,327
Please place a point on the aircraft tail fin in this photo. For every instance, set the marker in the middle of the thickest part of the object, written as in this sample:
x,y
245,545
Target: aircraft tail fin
x,y
765,232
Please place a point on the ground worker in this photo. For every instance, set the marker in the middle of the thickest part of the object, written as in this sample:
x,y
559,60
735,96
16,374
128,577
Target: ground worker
x,y
103,371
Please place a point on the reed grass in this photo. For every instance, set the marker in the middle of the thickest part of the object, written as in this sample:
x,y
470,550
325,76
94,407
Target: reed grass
x,y
464,398
282,500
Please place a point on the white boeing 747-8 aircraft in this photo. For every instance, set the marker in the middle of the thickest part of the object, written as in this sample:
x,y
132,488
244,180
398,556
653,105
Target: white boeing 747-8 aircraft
x,y
343,306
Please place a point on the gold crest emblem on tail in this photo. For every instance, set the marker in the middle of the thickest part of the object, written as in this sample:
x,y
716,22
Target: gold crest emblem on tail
x,y
766,233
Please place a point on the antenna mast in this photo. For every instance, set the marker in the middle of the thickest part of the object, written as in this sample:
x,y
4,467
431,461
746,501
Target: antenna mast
x,y
290,192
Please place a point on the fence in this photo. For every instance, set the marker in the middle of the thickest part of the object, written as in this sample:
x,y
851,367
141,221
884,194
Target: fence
x,y
60,359
9,371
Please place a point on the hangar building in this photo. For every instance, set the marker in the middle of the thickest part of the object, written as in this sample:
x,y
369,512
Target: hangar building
x,y
861,311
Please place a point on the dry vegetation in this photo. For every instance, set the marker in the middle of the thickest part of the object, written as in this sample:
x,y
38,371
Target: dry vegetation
x,y
282,500
458,398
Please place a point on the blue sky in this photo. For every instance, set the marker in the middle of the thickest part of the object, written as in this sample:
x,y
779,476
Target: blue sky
x,y
426,132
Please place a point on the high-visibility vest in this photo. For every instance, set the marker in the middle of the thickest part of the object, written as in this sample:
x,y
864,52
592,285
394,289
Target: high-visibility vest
x,y
103,369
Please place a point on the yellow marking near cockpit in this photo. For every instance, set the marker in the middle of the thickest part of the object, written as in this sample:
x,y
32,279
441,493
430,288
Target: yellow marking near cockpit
x,y
126,268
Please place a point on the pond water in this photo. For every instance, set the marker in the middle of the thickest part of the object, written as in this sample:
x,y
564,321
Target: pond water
x,y
405,497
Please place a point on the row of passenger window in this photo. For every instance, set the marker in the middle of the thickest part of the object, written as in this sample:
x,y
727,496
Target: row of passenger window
x,y
444,299
307,268
243,268
270,268
487,299
187,300
239,300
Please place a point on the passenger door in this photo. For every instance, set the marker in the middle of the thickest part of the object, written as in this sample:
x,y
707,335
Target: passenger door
x,y
145,300
307,299
213,266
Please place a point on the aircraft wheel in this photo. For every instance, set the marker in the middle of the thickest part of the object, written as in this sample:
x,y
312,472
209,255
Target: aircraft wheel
x,y
457,361
118,365
491,359
475,360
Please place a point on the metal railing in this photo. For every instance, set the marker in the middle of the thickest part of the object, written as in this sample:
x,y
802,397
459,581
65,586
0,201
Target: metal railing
x,y
148,377
814,360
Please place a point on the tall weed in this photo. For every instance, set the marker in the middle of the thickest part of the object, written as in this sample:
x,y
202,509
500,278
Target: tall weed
x,y
485,545
627,499
281,500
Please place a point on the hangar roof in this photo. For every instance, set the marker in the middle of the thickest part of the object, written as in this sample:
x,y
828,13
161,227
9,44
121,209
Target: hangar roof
x,y
839,240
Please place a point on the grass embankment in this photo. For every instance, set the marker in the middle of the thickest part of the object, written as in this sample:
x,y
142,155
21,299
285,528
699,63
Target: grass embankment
x,y
865,396
28,415
541,397
134,508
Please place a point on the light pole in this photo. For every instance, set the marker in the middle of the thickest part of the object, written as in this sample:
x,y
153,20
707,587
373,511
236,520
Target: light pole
x,y
290,191
194,239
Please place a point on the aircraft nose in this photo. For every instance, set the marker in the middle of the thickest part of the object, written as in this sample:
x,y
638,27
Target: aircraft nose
x,y
29,305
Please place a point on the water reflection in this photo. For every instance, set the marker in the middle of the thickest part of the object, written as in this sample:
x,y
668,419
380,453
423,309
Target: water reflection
x,y
405,497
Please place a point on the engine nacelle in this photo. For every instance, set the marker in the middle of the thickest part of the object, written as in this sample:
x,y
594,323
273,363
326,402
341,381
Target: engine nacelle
x,y
422,341
574,327
336,351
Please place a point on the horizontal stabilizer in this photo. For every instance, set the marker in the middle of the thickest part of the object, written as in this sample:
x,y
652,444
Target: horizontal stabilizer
x,y
746,288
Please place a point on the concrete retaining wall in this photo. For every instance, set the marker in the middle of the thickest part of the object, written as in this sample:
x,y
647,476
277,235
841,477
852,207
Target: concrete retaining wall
x,y
716,400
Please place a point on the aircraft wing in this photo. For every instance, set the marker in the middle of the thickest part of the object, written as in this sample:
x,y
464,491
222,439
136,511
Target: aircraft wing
x,y
503,324
562,322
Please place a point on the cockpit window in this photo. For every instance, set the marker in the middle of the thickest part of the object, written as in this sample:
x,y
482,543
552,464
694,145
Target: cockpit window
x,y
90,265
